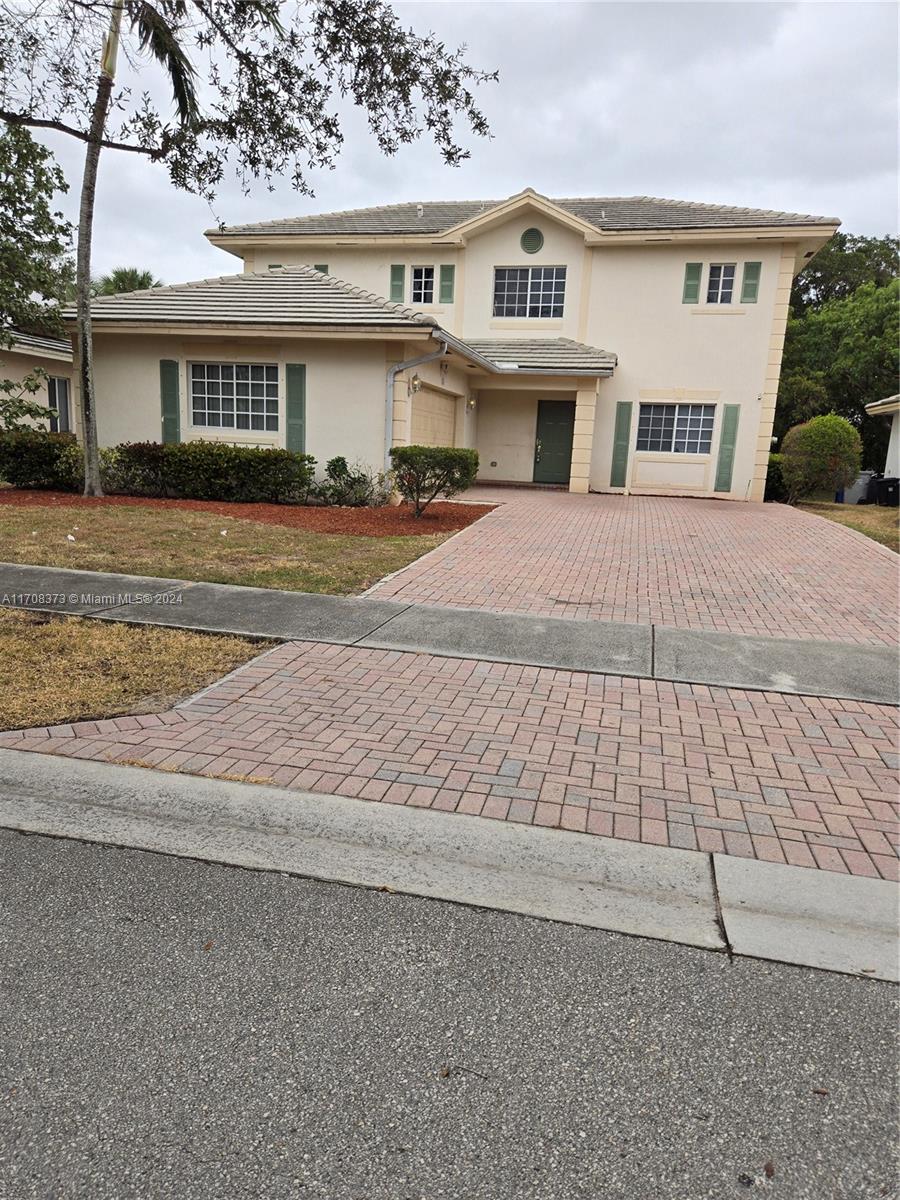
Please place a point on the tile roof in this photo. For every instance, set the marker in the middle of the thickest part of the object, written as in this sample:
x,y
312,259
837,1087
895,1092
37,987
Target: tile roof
x,y
890,404
30,341
293,296
298,297
613,213
543,354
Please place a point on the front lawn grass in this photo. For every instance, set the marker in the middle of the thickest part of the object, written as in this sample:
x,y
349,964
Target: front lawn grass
x,y
202,546
58,669
878,523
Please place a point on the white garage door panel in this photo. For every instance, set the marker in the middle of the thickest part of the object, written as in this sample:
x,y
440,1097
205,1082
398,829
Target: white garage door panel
x,y
433,419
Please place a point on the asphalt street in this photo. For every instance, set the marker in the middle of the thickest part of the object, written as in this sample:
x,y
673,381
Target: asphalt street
x,y
176,1029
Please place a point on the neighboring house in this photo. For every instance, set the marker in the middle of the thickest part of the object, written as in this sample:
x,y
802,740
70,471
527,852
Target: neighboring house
x,y
52,355
889,408
624,345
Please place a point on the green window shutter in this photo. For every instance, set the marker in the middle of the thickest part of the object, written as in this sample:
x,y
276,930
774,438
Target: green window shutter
x,y
621,444
691,292
323,267
295,408
750,283
170,409
398,283
727,443
448,275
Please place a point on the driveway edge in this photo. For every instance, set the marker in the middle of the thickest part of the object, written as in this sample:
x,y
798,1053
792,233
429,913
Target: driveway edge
x,y
625,887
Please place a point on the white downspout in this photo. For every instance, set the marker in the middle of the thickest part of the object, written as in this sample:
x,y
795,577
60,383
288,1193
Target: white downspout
x,y
392,374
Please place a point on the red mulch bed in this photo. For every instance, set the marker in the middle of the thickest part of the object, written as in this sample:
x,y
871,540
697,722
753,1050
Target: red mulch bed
x,y
391,521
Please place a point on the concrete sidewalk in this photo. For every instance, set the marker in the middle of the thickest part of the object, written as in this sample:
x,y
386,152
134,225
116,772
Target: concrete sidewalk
x,y
847,671
759,910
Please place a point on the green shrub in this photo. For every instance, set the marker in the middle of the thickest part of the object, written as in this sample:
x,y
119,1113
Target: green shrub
x,y
190,470
209,471
34,458
135,469
821,455
351,487
775,487
422,473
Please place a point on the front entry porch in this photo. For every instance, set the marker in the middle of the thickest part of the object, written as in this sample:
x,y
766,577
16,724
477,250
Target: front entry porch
x,y
536,432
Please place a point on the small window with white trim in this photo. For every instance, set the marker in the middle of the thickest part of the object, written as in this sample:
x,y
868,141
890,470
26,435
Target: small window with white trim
x,y
235,396
423,285
720,287
676,428
58,399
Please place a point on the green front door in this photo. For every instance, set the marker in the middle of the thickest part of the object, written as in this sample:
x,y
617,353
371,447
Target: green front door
x,y
553,444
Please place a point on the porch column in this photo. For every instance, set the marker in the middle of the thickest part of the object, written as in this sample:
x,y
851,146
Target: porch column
x,y
583,439
402,410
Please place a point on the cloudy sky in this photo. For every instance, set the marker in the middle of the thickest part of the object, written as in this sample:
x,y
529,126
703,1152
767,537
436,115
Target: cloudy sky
x,y
787,106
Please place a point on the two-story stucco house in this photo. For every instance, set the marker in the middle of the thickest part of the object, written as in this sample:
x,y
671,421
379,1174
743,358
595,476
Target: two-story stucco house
x,y
625,345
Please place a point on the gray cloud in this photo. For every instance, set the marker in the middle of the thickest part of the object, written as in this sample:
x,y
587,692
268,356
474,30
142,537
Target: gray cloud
x,y
789,106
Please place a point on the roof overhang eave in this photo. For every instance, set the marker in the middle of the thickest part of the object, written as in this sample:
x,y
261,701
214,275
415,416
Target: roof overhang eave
x,y
257,329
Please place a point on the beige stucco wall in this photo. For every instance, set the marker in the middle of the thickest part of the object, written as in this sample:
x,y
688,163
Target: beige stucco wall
x,y
506,425
345,390
500,247
669,351
892,461
16,364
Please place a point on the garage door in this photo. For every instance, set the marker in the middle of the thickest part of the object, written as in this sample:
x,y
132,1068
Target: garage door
x,y
433,419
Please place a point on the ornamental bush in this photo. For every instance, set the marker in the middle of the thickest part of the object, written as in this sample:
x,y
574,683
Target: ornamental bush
x,y
422,473
34,458
351,486
188,470
775,488
821,455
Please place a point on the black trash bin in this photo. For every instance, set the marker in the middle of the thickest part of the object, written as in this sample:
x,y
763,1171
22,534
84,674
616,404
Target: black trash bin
x,y
889,492
872,490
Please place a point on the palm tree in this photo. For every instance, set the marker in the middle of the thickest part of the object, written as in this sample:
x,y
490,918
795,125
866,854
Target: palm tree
x,y
124,279
156,37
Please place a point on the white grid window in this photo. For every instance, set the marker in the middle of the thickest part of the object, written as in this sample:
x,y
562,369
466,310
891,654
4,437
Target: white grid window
x,y
721,283
676,428
234,396
423,285
529,291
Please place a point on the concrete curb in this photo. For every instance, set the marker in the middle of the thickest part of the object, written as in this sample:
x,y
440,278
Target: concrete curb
x,y
810,668
632,888
818,919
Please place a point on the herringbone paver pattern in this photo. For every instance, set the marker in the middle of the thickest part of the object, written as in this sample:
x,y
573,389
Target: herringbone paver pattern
x,y
693,564
793,779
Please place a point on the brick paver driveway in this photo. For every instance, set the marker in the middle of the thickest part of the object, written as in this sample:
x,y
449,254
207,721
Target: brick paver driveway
x,y
783,778
812,782
692,564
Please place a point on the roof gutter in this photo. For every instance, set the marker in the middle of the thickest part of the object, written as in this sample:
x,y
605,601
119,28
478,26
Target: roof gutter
x,y
392,374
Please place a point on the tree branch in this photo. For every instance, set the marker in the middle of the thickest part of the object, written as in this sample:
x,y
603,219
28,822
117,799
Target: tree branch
x,y
38,123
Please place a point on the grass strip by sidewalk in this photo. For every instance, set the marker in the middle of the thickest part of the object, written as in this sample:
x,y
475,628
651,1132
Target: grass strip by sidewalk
x,y
876,522
58,669
201,546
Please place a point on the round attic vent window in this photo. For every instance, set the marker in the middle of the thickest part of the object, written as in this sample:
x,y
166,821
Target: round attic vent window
x,y
532,240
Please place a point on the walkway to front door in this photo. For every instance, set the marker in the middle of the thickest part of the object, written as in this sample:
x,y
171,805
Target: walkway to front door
x,y
553,444
692,564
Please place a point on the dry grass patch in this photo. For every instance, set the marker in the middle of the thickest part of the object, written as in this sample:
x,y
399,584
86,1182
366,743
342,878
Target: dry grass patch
x,y
58,669
878,523
187,544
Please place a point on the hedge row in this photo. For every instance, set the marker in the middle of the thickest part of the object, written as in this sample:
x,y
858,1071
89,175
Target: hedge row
x,y
187,470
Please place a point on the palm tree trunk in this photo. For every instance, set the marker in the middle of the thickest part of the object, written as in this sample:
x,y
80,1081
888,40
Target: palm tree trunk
x,y
99,113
